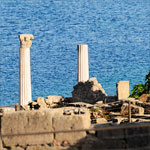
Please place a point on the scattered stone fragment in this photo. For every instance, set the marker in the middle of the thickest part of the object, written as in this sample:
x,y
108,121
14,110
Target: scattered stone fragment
x,y
54,99
65,143
26,107
41,101
119,119
99,102
80,104
56,143
101,120
134,109
67,112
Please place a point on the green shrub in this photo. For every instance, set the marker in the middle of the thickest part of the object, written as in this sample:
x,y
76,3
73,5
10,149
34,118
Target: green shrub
x,y
140,89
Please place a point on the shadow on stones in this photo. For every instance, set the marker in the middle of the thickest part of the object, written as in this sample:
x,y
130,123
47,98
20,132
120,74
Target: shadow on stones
x,y
88,92
113,139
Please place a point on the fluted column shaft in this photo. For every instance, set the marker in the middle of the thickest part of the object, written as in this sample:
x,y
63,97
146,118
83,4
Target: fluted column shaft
x,y
83,65
25,94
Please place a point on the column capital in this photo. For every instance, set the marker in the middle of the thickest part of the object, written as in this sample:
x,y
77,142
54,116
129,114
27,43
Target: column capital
x,y
25,40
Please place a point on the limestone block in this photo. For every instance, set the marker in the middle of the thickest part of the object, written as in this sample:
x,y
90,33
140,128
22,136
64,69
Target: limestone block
x,y
101,121
54,99
41,101
21,122
134,109
71,122
123,90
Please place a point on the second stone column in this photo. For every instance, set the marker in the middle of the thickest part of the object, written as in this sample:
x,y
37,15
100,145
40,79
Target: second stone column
x,y
83,65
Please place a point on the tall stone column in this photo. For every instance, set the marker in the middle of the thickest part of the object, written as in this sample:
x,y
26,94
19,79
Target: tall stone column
x,y
83,66
25,72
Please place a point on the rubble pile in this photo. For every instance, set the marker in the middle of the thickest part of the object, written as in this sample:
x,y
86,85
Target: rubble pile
x,y
90,92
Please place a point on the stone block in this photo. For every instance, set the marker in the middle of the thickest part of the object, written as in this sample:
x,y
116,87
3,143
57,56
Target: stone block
x,y
123,90
22,122
54,99
72,122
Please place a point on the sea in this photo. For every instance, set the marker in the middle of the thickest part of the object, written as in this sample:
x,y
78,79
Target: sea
x,y
117,33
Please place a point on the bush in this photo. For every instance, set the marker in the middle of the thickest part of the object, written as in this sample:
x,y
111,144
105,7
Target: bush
x,y
140,89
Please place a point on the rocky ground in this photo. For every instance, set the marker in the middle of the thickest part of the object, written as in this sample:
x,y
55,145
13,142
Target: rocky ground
x,y
91,96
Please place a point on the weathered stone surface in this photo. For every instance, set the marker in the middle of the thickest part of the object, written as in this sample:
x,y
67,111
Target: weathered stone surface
x,y
119,119
3,110
101,121
80,104
35,147
25,107
16,148
123,90
144,98
71,122
134,109
54,99
21,122
89,92
41,101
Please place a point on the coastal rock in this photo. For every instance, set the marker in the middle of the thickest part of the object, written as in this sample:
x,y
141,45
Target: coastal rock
x,y
89,92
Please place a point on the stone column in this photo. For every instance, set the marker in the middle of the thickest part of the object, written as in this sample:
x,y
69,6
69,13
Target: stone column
x,y
25,72
83,66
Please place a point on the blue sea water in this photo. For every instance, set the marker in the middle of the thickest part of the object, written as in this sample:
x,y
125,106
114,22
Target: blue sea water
x,y
117,33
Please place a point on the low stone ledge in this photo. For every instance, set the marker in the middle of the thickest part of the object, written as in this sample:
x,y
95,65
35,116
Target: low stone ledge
x,y
22,122
45,120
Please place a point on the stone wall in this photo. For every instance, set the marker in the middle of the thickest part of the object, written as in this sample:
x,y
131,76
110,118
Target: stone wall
x,y
129,136
47,120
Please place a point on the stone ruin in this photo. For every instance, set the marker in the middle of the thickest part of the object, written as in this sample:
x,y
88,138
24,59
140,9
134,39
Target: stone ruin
x,y
90,92
86,109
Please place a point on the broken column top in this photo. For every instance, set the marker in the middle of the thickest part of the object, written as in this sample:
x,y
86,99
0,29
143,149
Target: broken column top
x,y
25,40
82,45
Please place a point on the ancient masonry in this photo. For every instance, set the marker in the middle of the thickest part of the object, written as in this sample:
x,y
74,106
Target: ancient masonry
x,y
81,122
